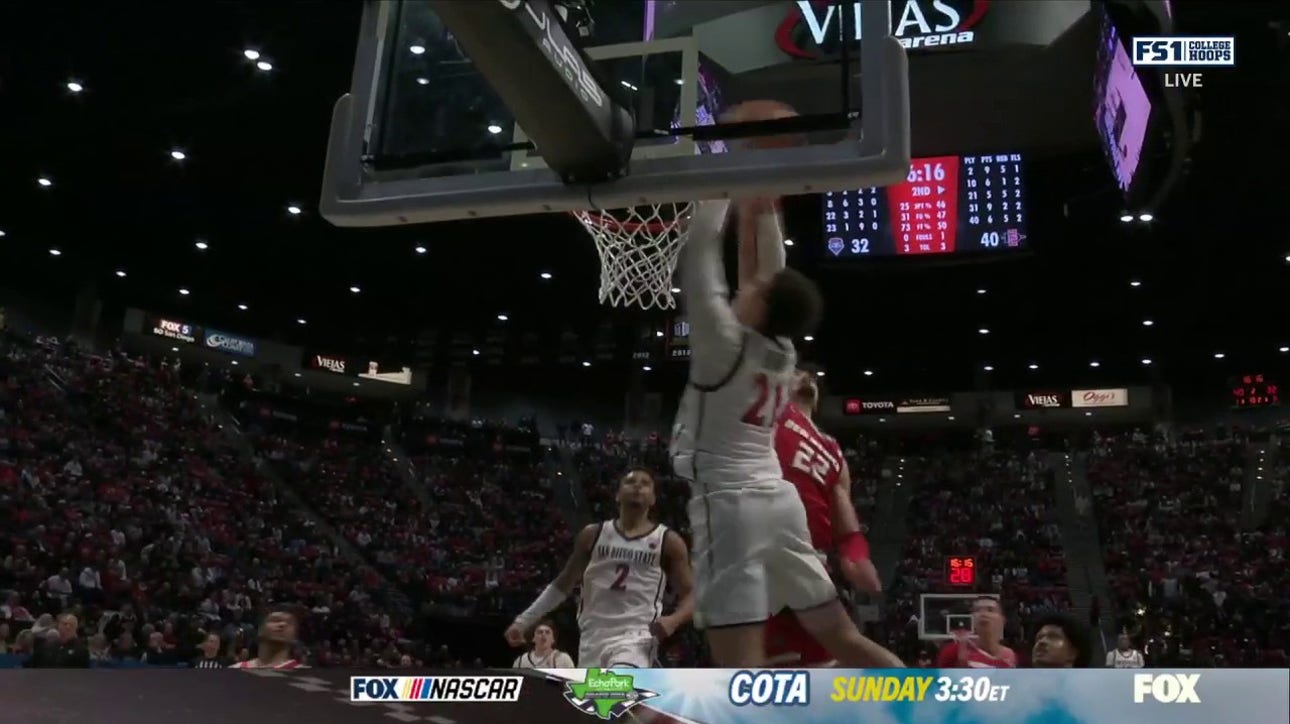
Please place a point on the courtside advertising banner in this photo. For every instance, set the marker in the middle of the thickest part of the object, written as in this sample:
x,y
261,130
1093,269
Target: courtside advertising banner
x,y
1115,397
896,405
1043,400
230,343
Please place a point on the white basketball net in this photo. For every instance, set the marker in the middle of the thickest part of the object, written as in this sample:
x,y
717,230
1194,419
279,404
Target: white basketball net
x,y
638,250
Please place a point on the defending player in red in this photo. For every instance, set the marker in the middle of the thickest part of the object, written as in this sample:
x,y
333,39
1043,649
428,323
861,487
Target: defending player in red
x,y
813,462
983,647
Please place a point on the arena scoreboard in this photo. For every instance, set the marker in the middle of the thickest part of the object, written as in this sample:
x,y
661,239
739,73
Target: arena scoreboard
x,y
947,205
1255,390
960,571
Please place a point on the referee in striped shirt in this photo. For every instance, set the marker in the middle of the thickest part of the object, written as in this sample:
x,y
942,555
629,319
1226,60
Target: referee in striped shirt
x,y
210,658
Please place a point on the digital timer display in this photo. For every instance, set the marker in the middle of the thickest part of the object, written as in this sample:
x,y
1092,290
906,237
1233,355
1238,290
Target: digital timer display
x,y
1250,391
960,571
946,205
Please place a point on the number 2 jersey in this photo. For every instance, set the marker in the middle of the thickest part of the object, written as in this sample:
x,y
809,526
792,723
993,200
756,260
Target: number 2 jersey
x,y
724,432
812,462
623,584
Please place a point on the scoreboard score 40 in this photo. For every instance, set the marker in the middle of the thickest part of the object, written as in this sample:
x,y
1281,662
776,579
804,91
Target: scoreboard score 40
x,y
1174,51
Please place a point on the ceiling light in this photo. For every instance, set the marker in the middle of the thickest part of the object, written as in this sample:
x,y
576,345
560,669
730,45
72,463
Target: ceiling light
x,y
1016,415
1283,349
301,321
788,242
120,273
546,276
647,368
1146,217
1148,323
234,363
658,333
988,368
1126,218
420,249
628,86
293,210
251,54
74,87
1032,366
356,384
494,129
183,292
980,291
55,252
1088,414
265,66
676,290
819,373
45,182
983,330
178,155
868,373
475,352
174,349
1135,283
808,338
1094,363
586,364
1146,361
423,81
950,418
1219,355
355,289
242,307
297,374
202,246
1,233
417,49
502,317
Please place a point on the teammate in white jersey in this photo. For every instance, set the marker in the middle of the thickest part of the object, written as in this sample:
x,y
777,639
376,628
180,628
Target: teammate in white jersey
x,y
624,566
753,551
1124,656
544,654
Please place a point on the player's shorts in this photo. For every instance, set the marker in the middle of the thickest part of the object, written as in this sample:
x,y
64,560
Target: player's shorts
x,y
753,555
787,642
635,650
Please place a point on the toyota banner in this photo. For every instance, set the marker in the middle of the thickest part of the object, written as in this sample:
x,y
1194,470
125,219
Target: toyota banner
x,y
231,343
895,405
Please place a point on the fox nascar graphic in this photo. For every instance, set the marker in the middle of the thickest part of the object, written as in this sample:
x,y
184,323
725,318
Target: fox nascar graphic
x,y
435,688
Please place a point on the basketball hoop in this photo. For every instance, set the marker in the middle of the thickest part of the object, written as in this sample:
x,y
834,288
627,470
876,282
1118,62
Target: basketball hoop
x,y
638,249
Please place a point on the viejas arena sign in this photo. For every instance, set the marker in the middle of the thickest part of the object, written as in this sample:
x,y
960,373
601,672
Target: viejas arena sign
x,y
1043,400
812,29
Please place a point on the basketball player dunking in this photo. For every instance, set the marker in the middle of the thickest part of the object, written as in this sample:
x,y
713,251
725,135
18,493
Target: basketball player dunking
x,y
277,638
983,648
624,565
753,552
813,462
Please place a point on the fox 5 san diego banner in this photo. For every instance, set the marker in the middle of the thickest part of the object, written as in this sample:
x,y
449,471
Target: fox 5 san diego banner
x,y
828,696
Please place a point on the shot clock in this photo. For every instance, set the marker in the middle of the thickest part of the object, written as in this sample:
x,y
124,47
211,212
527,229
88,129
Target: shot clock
x,y
960,571
946,205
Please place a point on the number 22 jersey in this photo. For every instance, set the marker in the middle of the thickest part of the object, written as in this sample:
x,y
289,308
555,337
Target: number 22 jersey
x,y
812,462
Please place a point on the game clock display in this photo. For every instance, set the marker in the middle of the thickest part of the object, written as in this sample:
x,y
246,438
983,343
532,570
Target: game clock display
x,y
960,571
946,205
1251,391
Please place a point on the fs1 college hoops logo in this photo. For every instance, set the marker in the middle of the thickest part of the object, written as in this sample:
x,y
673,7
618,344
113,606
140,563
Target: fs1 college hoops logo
x,y
605,694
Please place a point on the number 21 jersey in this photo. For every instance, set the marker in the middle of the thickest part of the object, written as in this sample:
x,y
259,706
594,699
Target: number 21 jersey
x,y
622,586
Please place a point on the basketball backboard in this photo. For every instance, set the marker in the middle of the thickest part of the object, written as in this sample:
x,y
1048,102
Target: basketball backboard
x,y
425,135
941,614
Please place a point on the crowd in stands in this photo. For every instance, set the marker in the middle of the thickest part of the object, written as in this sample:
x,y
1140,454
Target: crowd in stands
x,y
1190,586
996,508
128,502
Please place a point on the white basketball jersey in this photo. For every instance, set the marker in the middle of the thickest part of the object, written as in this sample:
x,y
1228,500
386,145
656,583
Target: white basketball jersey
x,y
1131,659
724,434
622,587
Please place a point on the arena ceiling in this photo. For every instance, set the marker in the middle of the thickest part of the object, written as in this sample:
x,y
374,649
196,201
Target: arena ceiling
x,y
176,137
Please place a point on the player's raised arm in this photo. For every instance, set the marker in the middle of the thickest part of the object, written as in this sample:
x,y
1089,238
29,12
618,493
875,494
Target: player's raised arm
x,y
559,589
761,240
676,562
853,548
715,334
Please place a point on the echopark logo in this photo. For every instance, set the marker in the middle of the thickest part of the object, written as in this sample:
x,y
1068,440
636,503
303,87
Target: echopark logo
x,y
916,23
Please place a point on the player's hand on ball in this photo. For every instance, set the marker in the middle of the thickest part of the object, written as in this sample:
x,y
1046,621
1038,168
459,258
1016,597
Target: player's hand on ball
x,y
862,575
515,635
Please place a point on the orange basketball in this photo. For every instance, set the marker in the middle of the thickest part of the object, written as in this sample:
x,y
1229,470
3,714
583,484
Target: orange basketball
x,y
764,110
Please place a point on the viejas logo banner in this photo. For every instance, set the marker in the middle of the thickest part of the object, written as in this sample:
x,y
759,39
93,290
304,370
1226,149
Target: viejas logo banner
x,y
230,343
172,329
1043,400
328,363
1116,397
811,28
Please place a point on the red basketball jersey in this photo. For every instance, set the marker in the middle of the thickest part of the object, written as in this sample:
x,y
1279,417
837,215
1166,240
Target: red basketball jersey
x,y
812,461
